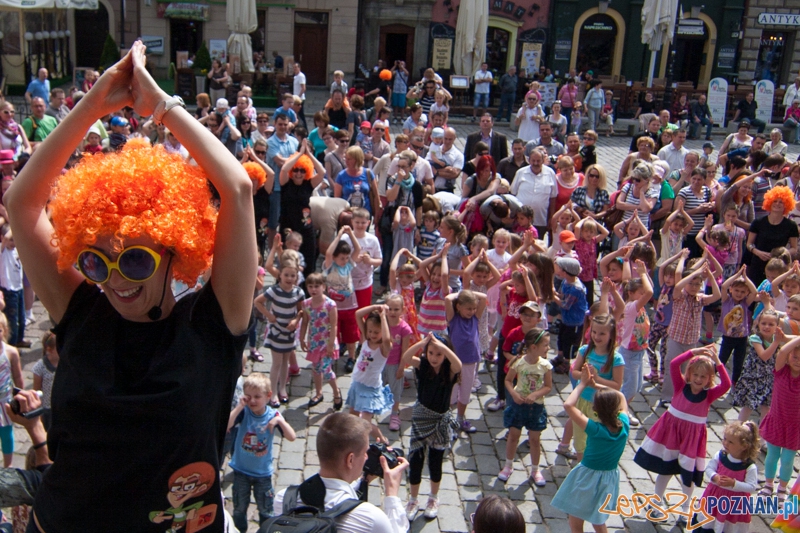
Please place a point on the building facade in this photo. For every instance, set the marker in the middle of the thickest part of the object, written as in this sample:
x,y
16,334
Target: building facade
x,y
771,42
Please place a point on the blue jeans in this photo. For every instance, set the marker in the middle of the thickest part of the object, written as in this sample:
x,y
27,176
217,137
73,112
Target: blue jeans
x,y
507,105
792,123
387,248
694,129
262,489
274,210
15,313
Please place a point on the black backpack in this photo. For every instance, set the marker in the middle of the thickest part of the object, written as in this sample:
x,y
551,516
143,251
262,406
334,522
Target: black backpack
x,y
307,517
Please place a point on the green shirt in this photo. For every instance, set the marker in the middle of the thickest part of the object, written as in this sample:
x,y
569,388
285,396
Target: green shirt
x,y
604,449
36,129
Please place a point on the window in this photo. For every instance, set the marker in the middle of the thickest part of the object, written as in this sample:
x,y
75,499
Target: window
x,y
12,40
770,56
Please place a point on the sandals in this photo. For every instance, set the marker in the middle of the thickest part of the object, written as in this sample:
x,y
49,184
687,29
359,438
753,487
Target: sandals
x,y
337,403
565,451
316,400
781,493
766,491
538,479
275,404
256,356
284,399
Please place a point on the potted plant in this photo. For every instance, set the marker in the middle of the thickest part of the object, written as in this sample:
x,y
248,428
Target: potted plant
x,y
202,64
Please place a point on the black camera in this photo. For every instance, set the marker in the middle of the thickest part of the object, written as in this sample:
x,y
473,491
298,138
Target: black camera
x,y
373,465
553,159
15,406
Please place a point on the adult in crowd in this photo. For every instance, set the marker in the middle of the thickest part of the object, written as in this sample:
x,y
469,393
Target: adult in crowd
x,y
792,119
415,118
591,199
508,166
263,129
479,150
529,117
700,116
356,116
381,168
567,180
508,94
746,110
424,94
496,513
568,95
482,184
737,140
664,139
645,146
739,193
680,178
422,170
546,141
39,87
12,135
300,175
356,183
646,106
130,339
759,140
696,200
665,124
334,161
89,79
402,190
258,154
299,89
558,122
381,86
400,78
665,200
535,186
445,178
775,145
219,80
681,111
500,210
245,127
203,101
770,232
379,145
594,101
637,195
39,125
496,141
792,181
374,112
321,128
674,153
792,93
342,444
244,109
280,147
483,86
56,108
337,114
653,126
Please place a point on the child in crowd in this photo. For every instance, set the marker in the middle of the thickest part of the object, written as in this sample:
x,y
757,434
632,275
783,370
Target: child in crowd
x,y
284,111
635,332
571,300
11,283
482,276
607,114
668,272
285,301
427,234
404,227
708,149
513,346
524,222
368,395
533,375
92,142
434,273
682,429
318,338
401,281
370,256
717,250
440,105
252,451
774,268
338,82
436,148
589,234
338,267
437,369
785,286
576,117
463,312
675,229
44,372
736,237
364,137
738,293
453,233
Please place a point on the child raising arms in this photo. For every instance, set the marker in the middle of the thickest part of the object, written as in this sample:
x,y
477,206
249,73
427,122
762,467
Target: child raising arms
x,y
320,319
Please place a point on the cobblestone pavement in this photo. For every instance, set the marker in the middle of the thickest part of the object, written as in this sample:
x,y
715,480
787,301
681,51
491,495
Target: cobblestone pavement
x,y
470,472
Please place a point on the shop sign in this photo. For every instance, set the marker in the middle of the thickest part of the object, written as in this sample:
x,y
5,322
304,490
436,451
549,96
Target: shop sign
x,y
531,55
154,44
778,19
726,57
442,54
764,97
177,10
691,27
598,26
563,49
718,99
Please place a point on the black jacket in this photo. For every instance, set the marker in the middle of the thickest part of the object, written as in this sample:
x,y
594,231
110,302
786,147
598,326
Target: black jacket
x,y
498,150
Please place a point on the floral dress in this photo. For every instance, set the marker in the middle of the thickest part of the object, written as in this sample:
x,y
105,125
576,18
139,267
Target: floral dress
x,y
319,332
754,387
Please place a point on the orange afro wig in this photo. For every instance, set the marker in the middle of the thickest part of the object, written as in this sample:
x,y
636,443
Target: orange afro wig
x,y
256,173
141,190
385,75
305,163
783,194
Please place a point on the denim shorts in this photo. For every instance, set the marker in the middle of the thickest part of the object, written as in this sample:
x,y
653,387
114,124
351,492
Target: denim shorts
x,y
532,417
479,97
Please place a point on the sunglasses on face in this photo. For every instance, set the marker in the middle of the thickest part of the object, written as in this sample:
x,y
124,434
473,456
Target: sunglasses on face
x,y
343,141
636,180
135,263
261,152
379,129
299,170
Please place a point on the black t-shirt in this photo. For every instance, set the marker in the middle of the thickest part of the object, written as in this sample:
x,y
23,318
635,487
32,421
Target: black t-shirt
x,y
770,236
295,206
635,140
648,107
261,208
434,390
338,118
139,417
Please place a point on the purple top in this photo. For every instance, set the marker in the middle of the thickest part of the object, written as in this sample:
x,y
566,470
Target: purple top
x,y
464,337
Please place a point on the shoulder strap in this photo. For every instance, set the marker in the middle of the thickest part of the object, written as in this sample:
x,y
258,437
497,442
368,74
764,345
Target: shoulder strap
x,y
290,498
342,508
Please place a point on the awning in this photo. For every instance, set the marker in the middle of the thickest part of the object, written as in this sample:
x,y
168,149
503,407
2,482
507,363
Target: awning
x,y
178,10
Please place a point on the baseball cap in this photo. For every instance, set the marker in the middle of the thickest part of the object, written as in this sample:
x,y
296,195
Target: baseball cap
x,y
119,121
531,306
569,265
6,156
93,129
708,145
366,124
222,103
567,236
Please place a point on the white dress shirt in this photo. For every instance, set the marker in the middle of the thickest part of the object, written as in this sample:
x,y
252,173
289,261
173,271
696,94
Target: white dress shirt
x,y
673,156
535,190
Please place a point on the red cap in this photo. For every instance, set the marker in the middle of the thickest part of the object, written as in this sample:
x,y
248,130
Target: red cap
x,y
567,236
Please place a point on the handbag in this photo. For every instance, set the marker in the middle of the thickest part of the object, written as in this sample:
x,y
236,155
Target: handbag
x,y
614,215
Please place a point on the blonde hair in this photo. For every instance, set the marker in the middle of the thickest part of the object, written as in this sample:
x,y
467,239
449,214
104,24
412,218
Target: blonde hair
x,y
356,153
479,240
747,435
502,233
4,326
257,380
701,362
338,73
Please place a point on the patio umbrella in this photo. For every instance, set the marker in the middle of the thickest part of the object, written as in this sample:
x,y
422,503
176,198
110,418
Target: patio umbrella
x,y
242,21
471,27
658,27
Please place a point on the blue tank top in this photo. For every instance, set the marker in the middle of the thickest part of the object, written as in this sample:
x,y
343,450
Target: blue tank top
x,y
464,337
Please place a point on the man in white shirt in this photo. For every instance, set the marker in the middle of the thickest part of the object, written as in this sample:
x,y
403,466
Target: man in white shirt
x,y
674,153
299,89
535,185
445,178
792,92
483,85
342,444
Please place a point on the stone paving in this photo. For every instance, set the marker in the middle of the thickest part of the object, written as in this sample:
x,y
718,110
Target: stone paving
x,y
470,472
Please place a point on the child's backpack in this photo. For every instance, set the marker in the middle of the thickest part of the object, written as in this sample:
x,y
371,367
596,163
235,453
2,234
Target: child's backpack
x,y
310,516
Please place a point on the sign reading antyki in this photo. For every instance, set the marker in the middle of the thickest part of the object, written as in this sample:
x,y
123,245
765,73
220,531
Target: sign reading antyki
x,y
778,19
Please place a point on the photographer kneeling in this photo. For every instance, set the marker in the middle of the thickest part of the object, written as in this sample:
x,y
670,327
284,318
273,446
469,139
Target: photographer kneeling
x,y
342,444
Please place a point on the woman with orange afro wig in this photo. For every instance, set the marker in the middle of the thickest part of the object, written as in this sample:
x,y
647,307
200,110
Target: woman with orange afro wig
x,y
144,386
300,175
772,231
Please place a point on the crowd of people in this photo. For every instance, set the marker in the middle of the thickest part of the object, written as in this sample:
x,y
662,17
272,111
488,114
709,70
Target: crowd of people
x,y
483,257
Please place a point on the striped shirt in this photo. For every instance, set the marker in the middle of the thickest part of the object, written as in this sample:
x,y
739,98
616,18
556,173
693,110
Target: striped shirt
x,y
427,240
692,201
282,304
432,316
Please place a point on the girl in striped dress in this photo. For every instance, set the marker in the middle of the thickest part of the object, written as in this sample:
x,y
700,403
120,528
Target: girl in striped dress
x,y
676,444
435,273
282,304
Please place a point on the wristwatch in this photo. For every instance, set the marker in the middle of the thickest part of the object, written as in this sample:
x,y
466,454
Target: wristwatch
x,y
163,107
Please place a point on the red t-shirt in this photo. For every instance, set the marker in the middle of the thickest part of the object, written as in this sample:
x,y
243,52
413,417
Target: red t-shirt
x,y
512,320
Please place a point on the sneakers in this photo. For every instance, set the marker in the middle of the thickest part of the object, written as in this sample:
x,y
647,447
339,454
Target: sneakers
x,y
538,479
476,384
432,509
394,423
412,508
504,474
467,427
634,421
349,365
496,405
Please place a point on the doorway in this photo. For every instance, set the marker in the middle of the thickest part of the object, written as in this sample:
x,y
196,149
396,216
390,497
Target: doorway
x,y
185,36
311,45
397,44
497,41
689,59
598,34
89,44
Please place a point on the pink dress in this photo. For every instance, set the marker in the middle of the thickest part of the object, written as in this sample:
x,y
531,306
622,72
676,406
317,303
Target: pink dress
x,y
737,470
781,426
319,332
587,256
676,444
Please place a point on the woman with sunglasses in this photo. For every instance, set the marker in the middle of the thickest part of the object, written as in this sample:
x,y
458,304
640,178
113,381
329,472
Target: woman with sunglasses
x,y
245,127
646,147
142,396
258,154
335,161
12,136
637,195
591,199
529,116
